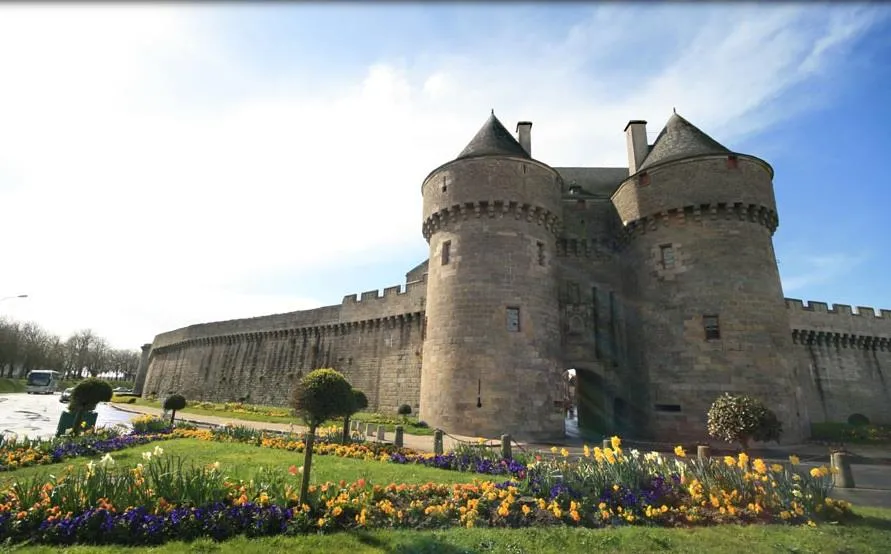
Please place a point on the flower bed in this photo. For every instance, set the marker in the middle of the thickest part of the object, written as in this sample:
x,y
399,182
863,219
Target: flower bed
x,y
164,498
23,452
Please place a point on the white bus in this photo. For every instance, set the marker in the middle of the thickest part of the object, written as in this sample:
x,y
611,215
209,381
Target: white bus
x,y
42,381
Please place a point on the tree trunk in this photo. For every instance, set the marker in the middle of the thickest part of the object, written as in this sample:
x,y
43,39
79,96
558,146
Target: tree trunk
x,y
307,464
172,416
75,427
346,430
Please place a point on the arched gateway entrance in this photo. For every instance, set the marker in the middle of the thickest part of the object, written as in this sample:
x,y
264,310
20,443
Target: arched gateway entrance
x,y
593,409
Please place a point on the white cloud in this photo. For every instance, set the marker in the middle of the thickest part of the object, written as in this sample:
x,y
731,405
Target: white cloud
x,y
133,197
808,271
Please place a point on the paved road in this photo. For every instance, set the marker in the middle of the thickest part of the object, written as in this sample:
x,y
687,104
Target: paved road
x,y
37,415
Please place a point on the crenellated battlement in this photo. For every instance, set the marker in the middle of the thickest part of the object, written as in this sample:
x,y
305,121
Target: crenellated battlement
x,y
389,292
491,209
841,319
813,306
323,330
752,213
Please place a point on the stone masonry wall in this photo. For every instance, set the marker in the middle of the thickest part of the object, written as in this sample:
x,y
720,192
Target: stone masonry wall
x,y
374,339
844,360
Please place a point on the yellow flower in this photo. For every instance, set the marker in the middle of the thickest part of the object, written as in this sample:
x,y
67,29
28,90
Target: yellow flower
x,y
564,452
587,451
616,442
759,466
743,459
553,450
794,460
679,451
777,468
526,510
730,461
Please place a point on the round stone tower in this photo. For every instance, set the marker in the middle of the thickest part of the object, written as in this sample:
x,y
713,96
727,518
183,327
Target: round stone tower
x,y
702,279
492,342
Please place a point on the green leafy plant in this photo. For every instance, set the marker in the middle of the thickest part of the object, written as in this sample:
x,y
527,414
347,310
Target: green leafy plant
x,y
741,419
85,397
404,411
360,402
321,395
173,403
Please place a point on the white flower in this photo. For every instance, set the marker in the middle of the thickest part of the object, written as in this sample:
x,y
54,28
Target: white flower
x,y
146,456
635,453
158,451
140,467
106,460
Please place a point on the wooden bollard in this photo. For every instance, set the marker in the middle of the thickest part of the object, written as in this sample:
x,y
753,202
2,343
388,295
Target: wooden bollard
x,y
842,477
437,442
703,452
399,439
505,447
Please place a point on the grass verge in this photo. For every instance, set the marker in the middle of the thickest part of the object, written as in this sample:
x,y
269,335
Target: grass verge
x,y
242,461
262,414
12,385
869,534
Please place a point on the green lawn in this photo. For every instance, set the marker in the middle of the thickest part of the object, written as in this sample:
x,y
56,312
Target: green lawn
x,y
388,422
12,385
869,535
242,461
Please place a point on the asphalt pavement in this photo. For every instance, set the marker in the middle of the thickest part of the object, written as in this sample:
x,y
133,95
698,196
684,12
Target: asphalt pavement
x,y
37,415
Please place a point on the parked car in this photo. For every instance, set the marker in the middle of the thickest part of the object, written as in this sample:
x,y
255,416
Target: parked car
x,y
66,395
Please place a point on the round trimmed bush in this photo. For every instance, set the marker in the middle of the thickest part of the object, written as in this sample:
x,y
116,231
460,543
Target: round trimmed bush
x,y
360,401
323,394
175,402
88,394
741,419
404,410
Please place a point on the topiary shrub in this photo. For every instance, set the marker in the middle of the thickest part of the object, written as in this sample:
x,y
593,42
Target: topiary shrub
x,y
360,402
85,397
323,394
858,420
404,411
741,419
174,402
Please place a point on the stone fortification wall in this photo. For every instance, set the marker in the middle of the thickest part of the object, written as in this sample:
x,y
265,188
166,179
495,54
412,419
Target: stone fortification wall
x,y
844,359
373,338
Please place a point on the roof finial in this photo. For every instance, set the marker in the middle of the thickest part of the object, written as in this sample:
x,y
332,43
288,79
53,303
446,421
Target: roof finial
x,y
493,111
674,110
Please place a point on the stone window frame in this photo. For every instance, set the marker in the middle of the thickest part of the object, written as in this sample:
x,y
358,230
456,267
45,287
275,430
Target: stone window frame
x,y
681,261
446,252
711,326
668,261
541,253
509,321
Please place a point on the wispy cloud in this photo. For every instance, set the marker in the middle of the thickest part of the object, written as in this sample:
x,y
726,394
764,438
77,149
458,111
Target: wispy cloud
x,y
810,270
146,166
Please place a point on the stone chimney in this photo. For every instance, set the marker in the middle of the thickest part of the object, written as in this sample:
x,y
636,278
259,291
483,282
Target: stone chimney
x,y
524,132
636,136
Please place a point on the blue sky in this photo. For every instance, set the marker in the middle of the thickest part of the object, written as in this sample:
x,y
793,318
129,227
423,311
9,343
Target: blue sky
x,y
190,163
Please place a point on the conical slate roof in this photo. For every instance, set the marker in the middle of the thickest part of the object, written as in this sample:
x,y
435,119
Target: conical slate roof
x,y
681,139
493,140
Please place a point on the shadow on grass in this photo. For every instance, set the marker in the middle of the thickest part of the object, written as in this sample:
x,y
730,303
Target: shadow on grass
x,y
421,544
871,522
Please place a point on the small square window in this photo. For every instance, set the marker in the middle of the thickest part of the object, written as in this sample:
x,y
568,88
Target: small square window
x,y
732,162
446,252
712,328
644,179
541,253
666,252
513,320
